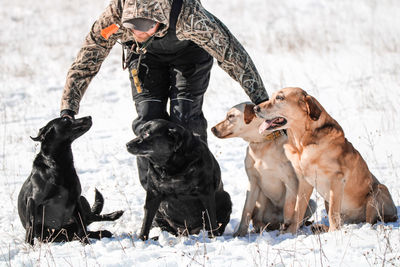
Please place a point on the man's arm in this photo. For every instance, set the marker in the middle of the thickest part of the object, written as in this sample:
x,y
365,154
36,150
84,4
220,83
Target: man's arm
x,y
90,57
200,26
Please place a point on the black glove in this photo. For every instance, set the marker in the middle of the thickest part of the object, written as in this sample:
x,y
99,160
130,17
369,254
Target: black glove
x,y
67,113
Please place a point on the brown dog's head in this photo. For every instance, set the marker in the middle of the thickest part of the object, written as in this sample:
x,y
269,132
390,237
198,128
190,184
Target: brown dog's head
x,y
240,121
287,107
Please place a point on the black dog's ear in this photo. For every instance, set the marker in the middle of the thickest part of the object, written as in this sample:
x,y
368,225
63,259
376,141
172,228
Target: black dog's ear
x,y
36,139
43,132
312,108
178,139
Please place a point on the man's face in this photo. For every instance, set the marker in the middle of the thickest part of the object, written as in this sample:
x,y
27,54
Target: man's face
x,y
144,36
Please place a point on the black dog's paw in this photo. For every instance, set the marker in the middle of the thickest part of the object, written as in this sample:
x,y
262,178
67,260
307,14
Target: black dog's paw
x,y
114,215
143,237
99,234
105,233
155,238
213,234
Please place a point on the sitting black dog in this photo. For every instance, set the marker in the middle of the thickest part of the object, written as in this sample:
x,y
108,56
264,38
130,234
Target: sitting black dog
x,y
182,179
50,204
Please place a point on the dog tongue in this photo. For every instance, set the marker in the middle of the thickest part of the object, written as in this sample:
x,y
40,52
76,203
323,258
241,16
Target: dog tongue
x,y
264,126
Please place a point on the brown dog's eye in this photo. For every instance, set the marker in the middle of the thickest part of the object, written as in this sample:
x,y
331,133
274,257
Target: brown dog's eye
x,y
279,97
231,116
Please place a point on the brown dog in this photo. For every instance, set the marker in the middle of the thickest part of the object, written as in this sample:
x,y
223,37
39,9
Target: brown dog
x,y
271,197
324,159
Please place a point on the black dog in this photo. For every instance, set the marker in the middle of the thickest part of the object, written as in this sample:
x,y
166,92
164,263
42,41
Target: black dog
x,y
50,204
182,180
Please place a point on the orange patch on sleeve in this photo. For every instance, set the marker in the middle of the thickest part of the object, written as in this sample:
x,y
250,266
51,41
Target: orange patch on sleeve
x,y
110,30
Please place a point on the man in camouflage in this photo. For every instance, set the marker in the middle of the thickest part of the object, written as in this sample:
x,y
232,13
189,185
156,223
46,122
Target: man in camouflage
x,y
170,45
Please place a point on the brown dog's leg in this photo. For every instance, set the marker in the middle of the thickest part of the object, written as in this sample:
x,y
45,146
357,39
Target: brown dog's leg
x,y
151,205
291,185
263,205
289,208
326,203
251,198
303,197
380,205
335,202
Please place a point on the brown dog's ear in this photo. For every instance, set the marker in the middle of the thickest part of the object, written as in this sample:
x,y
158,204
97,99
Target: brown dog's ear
x,y
312,108
249,113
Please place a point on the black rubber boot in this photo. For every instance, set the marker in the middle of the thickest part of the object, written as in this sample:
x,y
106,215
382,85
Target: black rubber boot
x,y
187,112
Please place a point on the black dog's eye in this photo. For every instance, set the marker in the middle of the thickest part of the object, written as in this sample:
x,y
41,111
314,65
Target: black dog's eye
x,y
279,97
66,121
146,134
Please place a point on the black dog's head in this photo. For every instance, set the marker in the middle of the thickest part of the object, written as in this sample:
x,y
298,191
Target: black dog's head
x,y
158,140
63,130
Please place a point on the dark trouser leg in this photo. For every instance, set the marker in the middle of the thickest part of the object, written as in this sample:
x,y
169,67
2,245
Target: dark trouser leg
x,y
191,82
151,102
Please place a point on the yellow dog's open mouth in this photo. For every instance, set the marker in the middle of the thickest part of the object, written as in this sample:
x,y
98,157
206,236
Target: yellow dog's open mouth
x,y
272,124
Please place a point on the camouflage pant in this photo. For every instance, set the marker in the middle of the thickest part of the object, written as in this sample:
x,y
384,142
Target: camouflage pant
x,y
181,78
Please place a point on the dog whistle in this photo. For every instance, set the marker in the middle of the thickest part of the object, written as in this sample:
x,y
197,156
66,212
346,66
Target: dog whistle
x,y
136,80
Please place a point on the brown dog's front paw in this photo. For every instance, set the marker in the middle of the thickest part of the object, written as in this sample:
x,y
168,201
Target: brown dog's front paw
x,y
240,233
284,227
319,228
291,229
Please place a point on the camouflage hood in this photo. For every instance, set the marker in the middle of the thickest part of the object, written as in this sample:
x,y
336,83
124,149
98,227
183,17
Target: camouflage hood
x,y
157,10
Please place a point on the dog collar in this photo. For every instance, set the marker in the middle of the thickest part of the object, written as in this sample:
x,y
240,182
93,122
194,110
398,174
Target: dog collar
x,y
274,135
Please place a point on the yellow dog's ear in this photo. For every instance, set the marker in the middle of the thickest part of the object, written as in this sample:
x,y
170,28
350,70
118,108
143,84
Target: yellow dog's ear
x,y
249,113
312,108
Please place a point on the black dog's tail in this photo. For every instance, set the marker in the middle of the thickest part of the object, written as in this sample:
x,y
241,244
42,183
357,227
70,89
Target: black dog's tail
x,y
93,214
98,207
98,202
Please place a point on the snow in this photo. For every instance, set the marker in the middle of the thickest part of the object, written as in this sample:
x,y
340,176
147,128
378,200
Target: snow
x,y
345,53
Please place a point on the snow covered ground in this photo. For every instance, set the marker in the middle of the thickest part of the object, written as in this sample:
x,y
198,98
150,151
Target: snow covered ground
x,y
346,53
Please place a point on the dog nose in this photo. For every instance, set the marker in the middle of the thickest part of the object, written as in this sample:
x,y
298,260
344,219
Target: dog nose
x,y
257,109
214,130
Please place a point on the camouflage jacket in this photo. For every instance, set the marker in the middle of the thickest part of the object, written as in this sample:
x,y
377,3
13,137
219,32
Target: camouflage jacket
x,y
194,23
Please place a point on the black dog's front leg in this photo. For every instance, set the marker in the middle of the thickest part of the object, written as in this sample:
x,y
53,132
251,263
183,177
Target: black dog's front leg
x,y
30,221
210,213
80,215
150,207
